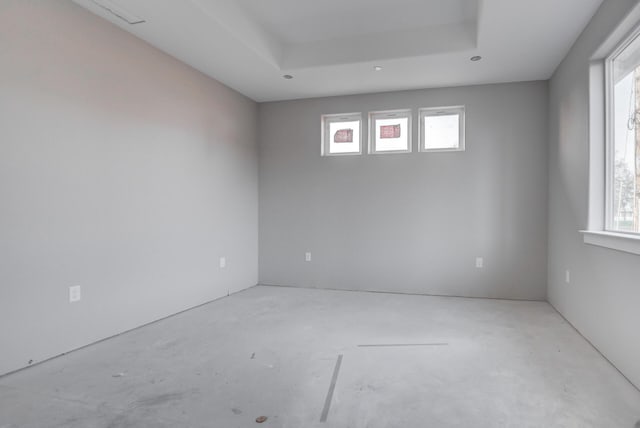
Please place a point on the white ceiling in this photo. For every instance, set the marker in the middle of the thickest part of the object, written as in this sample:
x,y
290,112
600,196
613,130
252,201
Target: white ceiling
x,y
331,46
296,21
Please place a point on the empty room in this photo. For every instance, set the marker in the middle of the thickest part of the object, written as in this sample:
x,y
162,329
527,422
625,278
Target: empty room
x,y
296,213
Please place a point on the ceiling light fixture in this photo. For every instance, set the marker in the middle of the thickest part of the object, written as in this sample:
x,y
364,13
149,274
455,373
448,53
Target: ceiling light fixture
x,y
377,68
288,76
476,58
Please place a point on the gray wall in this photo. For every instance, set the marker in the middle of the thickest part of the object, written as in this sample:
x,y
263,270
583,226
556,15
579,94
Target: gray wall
x,y
409,222
121,170
603,299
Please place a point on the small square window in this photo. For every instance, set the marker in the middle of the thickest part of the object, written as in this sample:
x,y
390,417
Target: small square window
x,y
341,134
442,129
390,131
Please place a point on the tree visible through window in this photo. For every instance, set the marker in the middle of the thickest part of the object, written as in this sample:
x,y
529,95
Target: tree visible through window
x,y
624,153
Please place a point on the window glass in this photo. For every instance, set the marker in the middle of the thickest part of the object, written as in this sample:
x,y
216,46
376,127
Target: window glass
x,y
341,134
442,132
624,144
344,137
442,129
390,131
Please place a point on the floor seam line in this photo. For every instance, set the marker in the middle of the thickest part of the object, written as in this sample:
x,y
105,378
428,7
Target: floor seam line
x,y
332,387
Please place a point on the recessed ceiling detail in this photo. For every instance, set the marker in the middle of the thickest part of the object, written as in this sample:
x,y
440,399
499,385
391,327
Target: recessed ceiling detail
x,y
332,32
330,45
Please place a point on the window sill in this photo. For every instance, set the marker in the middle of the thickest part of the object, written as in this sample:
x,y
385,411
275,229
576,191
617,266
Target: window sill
x,y
615,241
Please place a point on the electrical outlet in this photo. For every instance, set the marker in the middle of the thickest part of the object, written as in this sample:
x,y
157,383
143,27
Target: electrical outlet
x,y
567,276
307,257
479,262
223,262
74,294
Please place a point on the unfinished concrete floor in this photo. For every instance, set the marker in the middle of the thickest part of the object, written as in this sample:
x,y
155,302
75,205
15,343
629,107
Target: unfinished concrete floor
x,y
273,351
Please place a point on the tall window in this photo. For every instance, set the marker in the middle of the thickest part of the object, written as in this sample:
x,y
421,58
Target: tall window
x,y
614,139
623,139
342,134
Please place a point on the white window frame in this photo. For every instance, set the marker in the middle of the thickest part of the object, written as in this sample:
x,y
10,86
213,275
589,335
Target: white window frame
x,y
327,120
374,116
443,111
601,142
610,133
